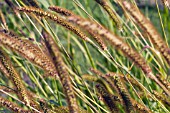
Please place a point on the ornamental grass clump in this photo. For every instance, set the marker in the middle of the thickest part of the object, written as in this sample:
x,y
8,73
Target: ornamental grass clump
x,y
91,56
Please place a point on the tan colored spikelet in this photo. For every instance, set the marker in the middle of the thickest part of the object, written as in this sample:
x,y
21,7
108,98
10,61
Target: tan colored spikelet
x,y
107,98
98,39
62,73
61,10
63,109
123,93
130,79
7,89
111,13
162,97
28,50
3,70
163,81
105,80
120,45
114,40
139,107
57,19
147,26
89,77
58,109
95,71
14,76
11,106
66,12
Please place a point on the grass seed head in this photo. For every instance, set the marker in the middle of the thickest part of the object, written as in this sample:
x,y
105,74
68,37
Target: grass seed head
x,y
57,19
63,74
28,50
61,10
109,101
14,76
11,106
124,94
147,26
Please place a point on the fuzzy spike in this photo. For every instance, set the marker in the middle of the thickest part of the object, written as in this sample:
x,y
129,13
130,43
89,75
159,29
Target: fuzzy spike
x,y
165,99
89,77
111,13
140,108
14,76
66,12
61,10
98,39
57,19
123,93
11,106
114,40
132,81
62,72
107,98
28,50
147,26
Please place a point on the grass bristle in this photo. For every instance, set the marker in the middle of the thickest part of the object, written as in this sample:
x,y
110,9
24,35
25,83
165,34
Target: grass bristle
x,y
2,19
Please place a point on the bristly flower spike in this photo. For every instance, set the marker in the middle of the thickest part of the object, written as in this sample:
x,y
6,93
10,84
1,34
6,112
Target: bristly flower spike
x,y
11,106
107,98
61,10
123,93
62,72
111,13
14,76
147,26
28,50
57,19
66,13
